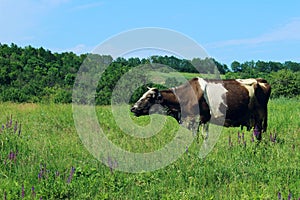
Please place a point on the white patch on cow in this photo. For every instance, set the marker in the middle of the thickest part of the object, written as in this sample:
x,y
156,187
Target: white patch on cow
x,y
262,85
215,93
249,84
150,91
202,83
249,81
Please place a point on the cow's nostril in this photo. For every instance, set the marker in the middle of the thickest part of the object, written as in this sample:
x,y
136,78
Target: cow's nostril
x,y
132,109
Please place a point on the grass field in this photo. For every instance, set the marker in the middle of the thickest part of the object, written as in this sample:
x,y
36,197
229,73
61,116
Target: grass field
x,y
45,158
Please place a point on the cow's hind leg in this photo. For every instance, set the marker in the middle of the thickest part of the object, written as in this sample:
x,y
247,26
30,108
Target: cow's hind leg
x,y
265,120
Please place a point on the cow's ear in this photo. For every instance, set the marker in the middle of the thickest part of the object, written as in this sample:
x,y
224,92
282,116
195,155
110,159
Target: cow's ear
x,y
159,96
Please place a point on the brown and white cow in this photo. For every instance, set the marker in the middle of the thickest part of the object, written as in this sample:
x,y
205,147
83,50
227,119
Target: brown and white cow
x,y
231,103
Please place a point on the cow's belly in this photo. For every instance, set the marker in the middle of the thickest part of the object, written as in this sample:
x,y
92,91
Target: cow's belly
x,y
232,118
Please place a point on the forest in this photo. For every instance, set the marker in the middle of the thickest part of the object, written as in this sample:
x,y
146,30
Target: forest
x,y
29,74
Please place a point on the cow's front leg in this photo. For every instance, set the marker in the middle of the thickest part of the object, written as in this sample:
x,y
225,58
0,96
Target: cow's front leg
x,y
257,132
192,123
205,131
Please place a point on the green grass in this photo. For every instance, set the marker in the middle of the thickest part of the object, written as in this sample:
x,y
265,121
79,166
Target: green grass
x,y
48,147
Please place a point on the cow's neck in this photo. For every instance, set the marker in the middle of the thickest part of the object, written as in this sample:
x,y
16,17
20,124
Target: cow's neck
x,y
169,99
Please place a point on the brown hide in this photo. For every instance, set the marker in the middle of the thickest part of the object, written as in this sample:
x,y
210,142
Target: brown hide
x,y
240,110
184,98
244,103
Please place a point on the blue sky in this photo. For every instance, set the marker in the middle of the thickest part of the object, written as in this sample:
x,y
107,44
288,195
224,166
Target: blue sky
x,y
227,30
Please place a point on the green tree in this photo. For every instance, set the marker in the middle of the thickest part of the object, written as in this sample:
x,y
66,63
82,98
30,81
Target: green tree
x,y
295,67
285,83
236,66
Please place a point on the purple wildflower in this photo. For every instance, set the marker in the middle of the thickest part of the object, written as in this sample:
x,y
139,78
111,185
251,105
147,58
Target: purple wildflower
x,y
10,121
252,138
279,196
19,132
16,127
256,131
290,195
3,127
7,123
33,192
12,156
23,192
71,174
243,136
186,150
42,171
40,176
57,174
229,141
45,168
275,137
110,163
115,163
239,137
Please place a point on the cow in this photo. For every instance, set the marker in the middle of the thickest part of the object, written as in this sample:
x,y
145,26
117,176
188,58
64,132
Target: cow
x,y
230,103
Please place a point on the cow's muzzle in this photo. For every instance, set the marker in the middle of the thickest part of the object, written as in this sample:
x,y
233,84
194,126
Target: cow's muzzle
x,y
134,110
137,112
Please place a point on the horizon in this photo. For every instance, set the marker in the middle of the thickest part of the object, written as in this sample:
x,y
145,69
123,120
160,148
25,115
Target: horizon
x,y
149,57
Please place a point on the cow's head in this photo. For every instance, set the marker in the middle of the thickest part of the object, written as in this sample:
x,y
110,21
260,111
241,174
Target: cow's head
x,y
143,105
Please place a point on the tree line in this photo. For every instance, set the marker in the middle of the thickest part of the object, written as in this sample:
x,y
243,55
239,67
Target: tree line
x,y
29,74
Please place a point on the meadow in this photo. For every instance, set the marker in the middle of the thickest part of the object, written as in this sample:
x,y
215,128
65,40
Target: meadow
x,y
42,157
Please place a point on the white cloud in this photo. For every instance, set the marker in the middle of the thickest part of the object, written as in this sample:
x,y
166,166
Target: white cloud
x,y
288,32
78,49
